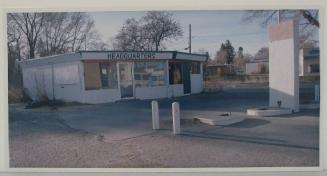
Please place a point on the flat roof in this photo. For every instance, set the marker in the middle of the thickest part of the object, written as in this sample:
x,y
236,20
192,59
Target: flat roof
x,y
167,51
115,55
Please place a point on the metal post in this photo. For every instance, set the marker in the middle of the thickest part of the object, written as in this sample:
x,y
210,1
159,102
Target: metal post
x,y
176,118
278,16
85,41
190,40
155,115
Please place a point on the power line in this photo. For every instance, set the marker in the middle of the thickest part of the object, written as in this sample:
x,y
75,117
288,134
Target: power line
x,y
236,34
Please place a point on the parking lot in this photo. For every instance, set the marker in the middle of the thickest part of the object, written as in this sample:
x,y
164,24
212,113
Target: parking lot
x,y
120,135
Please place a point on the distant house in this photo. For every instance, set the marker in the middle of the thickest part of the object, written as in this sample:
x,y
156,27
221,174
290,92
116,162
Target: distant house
x,y
257,66
219,70
309,62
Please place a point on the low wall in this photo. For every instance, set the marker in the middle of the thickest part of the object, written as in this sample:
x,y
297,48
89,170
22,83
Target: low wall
x,y
101,96
151,92
212,81
175,90
196,83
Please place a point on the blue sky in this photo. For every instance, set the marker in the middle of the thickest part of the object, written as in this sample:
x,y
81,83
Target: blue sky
x,y
209,29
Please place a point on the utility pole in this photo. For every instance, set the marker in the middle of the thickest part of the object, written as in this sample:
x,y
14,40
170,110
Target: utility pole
x,y
53,81
278,16
190,40
85,42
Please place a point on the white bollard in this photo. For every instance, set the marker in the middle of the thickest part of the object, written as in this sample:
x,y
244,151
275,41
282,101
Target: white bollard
x,y
176,118
317,92
155,115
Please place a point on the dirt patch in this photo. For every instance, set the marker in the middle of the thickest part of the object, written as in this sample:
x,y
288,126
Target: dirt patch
x,y
14,95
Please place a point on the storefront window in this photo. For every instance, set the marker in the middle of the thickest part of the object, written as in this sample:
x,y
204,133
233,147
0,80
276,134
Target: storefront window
x,y
314,68
147,74
108,73
195,68
104,75
175,73
112,76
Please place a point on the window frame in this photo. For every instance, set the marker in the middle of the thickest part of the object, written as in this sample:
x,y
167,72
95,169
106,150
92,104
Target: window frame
x,y
314,68
149,79
104,77
195,68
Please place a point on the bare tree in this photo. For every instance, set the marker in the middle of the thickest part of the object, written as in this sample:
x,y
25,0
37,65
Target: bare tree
x,y
30,24
308,19
161,26
149,32
131,36
66,32
55,33
43,34
263,53
95,42
13,37
14,41
82,25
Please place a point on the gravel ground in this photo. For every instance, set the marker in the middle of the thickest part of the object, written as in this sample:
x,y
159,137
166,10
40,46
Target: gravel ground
x,y
48,138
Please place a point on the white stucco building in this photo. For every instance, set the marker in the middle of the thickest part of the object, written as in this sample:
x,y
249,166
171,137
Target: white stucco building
x,y
107,76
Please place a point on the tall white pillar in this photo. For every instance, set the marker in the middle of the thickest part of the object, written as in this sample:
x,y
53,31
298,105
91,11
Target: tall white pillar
x,y
155,115
317,92
176,118
284,65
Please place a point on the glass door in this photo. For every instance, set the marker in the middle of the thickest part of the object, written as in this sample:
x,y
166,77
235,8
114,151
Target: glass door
x,y
126,80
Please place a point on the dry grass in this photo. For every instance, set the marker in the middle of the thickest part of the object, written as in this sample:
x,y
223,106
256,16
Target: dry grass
x,y
14,94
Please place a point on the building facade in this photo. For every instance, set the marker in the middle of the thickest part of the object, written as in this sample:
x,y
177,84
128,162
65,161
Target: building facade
x,y
107,76
258,66
218,71
309,62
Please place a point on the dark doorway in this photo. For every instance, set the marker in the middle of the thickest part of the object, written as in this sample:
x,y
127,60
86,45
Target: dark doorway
x,y
175,73
186,69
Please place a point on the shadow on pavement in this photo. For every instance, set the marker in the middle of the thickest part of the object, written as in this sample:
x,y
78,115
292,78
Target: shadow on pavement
x,y
250,123
254,140
304,112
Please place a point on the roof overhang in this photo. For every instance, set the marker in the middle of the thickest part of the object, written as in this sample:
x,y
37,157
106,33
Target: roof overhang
x,y
49,60
141,55
114,56
125,55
